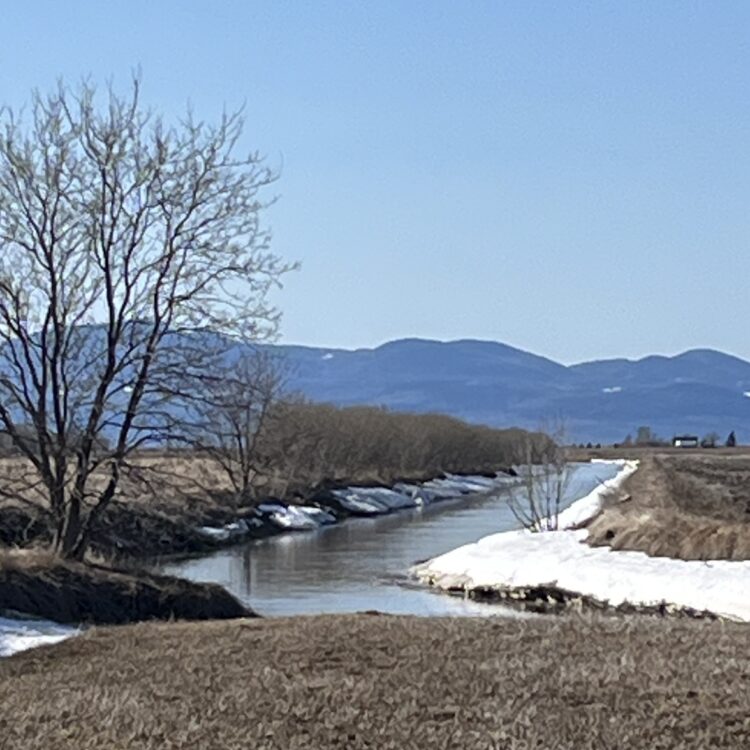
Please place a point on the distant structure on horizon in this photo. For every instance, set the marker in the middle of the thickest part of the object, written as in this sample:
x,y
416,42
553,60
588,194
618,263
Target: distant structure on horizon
x,y
685,441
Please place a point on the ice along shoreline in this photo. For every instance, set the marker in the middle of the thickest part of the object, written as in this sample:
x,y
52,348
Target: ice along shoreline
x,y
554,570
21,633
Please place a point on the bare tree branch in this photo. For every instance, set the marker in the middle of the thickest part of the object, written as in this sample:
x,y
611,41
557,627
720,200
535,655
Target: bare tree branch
x,y
132,255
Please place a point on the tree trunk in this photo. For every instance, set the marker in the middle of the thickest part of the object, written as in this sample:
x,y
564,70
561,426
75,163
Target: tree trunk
x,y
68,537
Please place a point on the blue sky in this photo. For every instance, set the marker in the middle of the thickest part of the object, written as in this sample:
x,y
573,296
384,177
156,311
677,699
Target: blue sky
x,y
571,178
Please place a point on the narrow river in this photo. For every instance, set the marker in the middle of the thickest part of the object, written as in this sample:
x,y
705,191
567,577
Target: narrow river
x,y
361,564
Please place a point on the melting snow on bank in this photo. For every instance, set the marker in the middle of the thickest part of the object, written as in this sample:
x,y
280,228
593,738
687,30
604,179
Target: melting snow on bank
x,y
18,635
563,559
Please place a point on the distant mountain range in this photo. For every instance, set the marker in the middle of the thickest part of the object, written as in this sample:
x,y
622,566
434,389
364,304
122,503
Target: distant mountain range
x,y
697,392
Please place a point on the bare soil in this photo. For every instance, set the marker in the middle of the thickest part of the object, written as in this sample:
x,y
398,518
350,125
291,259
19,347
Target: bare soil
x,y
385,682
37,584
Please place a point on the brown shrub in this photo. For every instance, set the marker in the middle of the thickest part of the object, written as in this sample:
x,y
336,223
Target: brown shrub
x,y
305,443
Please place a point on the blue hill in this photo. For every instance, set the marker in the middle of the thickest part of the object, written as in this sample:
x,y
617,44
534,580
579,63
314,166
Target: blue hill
x,y
698,391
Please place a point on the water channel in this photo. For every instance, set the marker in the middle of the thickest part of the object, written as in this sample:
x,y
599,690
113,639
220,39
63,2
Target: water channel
x,y
362,563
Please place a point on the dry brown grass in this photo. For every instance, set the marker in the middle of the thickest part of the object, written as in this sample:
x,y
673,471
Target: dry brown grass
x,y
385,682
693,507
158,509
25,559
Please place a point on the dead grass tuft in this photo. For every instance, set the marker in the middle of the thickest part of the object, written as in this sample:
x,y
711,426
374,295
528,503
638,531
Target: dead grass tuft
x,y
26,559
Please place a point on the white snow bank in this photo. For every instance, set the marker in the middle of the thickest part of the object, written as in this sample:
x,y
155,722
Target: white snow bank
x,y
235,529
18,635
391,499
356,502
561,558
301,517
320,516
587,506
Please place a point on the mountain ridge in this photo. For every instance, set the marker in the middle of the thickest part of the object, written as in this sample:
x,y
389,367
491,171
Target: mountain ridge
x,y
698,390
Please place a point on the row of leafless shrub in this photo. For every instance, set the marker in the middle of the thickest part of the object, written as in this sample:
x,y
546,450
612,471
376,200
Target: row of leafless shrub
x,y
301,445
291,451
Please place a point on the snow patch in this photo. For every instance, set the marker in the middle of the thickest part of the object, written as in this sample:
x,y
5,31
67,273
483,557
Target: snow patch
x,y
586,507
237,528
561,558
19,634
302,517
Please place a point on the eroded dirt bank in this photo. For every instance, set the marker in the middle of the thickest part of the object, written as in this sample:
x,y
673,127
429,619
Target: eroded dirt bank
x,y
691,506
385,682
40,585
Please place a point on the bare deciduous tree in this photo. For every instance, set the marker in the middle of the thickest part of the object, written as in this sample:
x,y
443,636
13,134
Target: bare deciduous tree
x,y
544,473
232,416
130,251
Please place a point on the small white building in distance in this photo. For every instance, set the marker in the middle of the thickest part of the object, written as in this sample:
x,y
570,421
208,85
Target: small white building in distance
x,y
685,441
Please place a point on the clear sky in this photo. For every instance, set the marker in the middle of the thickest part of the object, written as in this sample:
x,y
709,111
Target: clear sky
x,y
572,178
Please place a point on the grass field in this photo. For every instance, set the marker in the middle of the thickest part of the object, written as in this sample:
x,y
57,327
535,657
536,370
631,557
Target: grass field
x,y
689,505
385,682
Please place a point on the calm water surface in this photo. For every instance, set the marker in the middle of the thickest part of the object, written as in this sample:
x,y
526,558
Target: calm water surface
x,y
362,563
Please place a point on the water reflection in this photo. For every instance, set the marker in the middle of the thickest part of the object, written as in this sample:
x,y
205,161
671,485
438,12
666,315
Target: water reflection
x,y
362,563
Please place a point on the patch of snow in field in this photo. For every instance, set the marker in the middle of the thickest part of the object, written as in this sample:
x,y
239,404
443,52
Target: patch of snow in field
x,y
561,558
18,635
